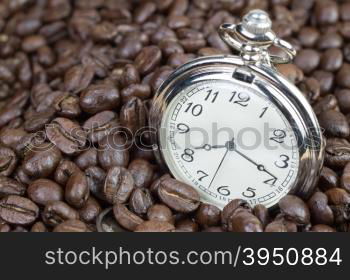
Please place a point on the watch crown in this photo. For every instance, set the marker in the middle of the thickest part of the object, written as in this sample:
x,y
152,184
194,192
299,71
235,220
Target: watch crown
x,y
256,22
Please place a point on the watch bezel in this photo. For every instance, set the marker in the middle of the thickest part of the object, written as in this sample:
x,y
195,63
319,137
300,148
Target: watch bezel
x,y
281,92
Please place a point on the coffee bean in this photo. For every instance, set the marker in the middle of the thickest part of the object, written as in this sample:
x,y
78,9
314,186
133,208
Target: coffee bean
x,y
90,210
41,161
187,225
142,172
245,222
42,191
8,161
33,43
18,210
148,59
322,228
95,177
67,135
97,98
337,153
126,218
343,76
118,185
100,125
77,191
208,215
71,226
160,213
326,80
39,227
307,60
113,151
9,186
331,60
328,179
291,72
86,159
343,97
133,115
276,226
106,222
334,123
140,201
326,12
140,91
144,12
130,76
64,170
178,196
233,207
38,120
155,226
308,36
321,213
56,212
294,209
330,40
78,78
262,213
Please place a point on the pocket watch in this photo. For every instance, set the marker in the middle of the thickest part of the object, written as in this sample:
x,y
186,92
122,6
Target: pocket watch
x,y
233,127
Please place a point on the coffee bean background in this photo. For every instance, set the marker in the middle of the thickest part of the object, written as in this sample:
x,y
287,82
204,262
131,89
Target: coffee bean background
x,y
72,72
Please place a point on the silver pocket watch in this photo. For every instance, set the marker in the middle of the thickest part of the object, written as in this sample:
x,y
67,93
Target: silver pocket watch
x,y
233,127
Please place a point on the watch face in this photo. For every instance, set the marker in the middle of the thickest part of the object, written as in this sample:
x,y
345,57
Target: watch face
x,y
229,141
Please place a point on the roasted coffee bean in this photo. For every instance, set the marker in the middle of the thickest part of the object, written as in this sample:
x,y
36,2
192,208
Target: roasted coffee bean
x,y
208,215
64,170
8,161
345,178
343,97
276,226
334,123
148,59
38,120
337,196
86,159
133,115
178,196
331,60
160,213
328,179
326,103
142,172
9,186
18,210
39,227
140,201
322,228
245,222
291,72
67,135
337,153
78,78
155,226
77,190
97,98
330,40
321,213
343,76
43,191
33,43
90,210
144,11
56,212
113,151
326,80
262,213
130,76
187,225
118,185
106,222
308,36
294,209
307,60
101,125
71,226
140,91
95,177
233,207
126,218
41,161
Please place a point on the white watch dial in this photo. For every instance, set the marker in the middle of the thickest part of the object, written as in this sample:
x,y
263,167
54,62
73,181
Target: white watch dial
x,y
229,141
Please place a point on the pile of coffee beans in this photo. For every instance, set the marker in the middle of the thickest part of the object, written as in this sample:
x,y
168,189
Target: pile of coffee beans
x,y
73,72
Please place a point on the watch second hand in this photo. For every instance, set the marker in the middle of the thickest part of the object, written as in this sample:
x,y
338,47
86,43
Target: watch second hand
x,y
222,160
